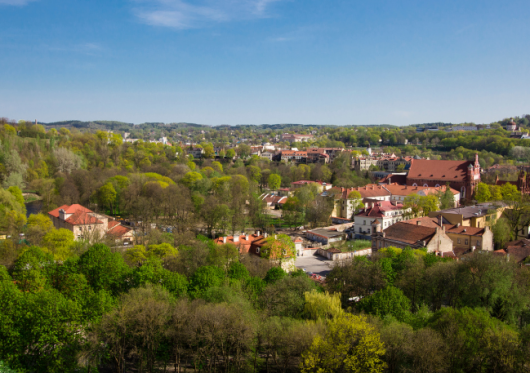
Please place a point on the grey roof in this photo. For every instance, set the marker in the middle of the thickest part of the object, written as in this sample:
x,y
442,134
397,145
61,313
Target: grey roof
x,y
326,232
471,211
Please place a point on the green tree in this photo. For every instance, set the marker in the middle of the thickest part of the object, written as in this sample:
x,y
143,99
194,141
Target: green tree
x,y
107,196
501,233
58,242
103,269
274,181
274,275
38,225
428,204
447,198
323,305
205,278
388,301
191,179
238,271
350,344
278,247
495,191
154,273
510,193
230,153
482,193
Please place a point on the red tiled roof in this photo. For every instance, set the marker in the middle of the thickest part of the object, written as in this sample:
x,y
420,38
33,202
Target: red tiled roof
x,y
119,231
470,231
519,249
79,215
427,221
243,244
112,224
82,218
380,208
72,209
438,170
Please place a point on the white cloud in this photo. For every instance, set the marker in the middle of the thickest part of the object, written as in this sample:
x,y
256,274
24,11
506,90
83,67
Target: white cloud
x,y
182,14
15,2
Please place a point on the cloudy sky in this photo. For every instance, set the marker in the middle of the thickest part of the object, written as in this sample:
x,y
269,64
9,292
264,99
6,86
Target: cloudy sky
x,y
265,61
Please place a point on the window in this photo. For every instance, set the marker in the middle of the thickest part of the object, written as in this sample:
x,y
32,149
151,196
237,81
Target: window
x,y
459,241
466,241
364,222
257,250
368,230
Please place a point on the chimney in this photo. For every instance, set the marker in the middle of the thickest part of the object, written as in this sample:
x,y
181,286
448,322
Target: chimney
x,y
258,233
458,225
389,181
236,239
224,239
265,234
418,222
247,237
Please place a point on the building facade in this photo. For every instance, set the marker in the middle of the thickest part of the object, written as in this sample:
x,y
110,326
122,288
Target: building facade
x,y
88,225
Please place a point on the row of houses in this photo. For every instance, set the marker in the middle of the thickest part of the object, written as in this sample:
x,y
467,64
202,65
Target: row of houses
x,y
311,155
388,163
345,207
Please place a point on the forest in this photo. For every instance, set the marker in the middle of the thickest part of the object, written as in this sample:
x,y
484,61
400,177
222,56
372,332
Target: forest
x,y
203,308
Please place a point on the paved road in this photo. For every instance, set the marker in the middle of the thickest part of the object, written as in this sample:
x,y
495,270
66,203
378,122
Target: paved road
x,y
315,264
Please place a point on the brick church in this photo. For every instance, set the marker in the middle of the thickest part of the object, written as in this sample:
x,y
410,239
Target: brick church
x,y
463,176
522,183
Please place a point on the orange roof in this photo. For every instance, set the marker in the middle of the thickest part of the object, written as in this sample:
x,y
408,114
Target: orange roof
x,y
79,215
470,231
113,223
438,170
72,209
118,230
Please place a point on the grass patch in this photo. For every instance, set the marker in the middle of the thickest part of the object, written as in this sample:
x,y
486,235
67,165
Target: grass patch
x,y
354,245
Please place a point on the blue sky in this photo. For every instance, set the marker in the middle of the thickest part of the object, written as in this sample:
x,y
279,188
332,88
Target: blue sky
x,y
265,61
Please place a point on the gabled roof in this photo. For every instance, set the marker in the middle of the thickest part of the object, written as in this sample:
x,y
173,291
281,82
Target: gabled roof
x,y
118,230
72,209
379,209
431,222
79,215
519,249
469,231
409,233
438,170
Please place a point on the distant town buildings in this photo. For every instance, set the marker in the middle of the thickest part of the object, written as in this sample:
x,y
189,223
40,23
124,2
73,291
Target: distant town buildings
x,y
296,138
